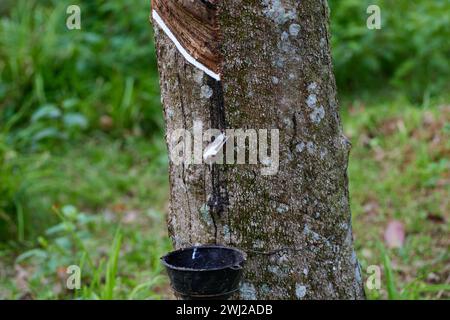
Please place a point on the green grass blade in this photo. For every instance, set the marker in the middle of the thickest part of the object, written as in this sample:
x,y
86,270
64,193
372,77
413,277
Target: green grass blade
x,y
111,267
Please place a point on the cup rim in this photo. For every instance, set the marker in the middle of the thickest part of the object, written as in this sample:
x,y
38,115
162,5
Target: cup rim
x,y
242,258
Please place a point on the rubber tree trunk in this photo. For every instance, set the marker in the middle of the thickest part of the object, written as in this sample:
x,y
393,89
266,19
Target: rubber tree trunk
x,y
276,73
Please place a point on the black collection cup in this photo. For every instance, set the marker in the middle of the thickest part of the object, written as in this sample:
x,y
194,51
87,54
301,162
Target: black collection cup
x,y
205,272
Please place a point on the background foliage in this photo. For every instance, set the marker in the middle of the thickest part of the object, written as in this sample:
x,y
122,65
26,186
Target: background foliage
x,y
81,147
409,55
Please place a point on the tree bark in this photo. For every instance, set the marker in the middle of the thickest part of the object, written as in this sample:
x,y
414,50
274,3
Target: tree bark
x,y
276,73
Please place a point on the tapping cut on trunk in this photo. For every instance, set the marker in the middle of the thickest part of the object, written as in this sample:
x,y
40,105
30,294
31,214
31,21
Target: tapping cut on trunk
x,y
193,27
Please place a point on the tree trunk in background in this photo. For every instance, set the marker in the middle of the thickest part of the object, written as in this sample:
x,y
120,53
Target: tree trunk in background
x,y
276,74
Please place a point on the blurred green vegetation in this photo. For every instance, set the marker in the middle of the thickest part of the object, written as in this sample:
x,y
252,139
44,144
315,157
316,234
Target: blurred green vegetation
x,y
410,54
82,149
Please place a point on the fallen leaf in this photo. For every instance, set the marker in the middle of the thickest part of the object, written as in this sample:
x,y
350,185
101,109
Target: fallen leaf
x,y
394,235
435,218
391,126
433,278
379,154
21,278
119,207
130,217
106,122
61,273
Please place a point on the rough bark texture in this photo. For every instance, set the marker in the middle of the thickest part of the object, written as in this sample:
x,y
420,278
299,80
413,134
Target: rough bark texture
x,y
295,225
